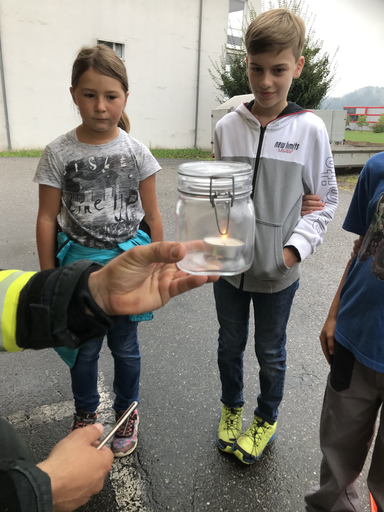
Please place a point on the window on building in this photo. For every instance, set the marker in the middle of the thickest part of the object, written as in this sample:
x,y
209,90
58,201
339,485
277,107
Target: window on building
x,y
237,9
235,24
117,47
350,112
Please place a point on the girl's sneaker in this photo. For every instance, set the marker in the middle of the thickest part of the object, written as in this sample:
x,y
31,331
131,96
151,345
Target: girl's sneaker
x,y
125,439
82,419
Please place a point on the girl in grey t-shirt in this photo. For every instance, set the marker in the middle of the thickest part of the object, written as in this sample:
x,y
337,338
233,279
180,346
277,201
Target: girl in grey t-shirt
x,y
96,185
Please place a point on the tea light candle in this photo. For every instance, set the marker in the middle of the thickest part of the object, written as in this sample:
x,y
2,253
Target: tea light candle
x,y
224,247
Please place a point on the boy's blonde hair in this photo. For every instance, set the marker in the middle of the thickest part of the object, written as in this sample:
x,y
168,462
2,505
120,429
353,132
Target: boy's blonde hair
x,y
105,61
274,31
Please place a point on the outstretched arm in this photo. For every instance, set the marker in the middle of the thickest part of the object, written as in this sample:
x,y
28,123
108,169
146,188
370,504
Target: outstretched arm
x,y
143,279
52,308
139,280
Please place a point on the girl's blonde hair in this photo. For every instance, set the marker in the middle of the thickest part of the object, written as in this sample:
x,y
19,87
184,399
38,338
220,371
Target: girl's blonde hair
x,y
105,61
274,31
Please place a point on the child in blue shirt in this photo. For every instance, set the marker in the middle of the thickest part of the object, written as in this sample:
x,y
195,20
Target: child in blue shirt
x,y
353,343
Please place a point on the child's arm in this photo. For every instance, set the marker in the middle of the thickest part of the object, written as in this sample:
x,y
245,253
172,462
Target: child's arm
x,y
310,203
46,226
147,190
318,179
327,335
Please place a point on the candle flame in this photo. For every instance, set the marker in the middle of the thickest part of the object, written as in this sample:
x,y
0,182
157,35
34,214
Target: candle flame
x,y
224,237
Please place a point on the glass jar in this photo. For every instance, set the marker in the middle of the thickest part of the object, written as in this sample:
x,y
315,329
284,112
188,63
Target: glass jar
x,y
215,217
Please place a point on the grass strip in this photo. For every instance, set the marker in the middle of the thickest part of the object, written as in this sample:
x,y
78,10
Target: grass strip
x,y
186,154
22,153
364,136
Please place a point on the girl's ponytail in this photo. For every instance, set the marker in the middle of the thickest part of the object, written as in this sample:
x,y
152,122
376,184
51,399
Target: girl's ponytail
x,y
124,123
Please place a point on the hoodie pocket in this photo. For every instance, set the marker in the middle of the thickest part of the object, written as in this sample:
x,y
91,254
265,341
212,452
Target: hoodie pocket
x,y
268,263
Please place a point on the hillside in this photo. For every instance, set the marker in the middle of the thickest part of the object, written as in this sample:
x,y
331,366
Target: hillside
x,y
364,97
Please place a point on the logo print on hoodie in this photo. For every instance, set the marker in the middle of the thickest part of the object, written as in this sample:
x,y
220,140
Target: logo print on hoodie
x,y
287,147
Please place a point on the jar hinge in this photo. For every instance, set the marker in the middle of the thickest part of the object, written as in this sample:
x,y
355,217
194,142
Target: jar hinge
x,y
222,197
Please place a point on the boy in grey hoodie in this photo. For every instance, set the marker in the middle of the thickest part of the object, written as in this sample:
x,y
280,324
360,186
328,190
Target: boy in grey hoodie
x,y
288,148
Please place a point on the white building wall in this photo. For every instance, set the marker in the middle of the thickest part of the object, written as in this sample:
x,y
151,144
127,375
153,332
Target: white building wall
x,y
375,110
40,41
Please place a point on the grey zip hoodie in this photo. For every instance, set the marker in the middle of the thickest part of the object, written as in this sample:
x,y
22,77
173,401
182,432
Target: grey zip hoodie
x,y
290,156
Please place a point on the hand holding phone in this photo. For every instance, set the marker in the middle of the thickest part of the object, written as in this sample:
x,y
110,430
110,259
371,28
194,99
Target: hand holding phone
x,y
122,419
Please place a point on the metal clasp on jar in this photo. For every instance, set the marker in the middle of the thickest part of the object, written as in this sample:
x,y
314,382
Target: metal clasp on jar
x,y
225,198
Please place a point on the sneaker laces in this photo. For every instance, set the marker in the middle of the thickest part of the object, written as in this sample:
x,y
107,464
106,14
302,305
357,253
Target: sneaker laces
x,y
83,419
126,429
257,429
232,419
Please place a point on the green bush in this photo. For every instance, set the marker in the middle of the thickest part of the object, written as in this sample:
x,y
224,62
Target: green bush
x,y
379,126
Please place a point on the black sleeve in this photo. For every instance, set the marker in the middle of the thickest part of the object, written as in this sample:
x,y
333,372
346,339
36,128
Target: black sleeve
x,y
51,310
24,488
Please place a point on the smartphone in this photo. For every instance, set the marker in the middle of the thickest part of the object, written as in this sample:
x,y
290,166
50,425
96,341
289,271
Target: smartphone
x,y
123,418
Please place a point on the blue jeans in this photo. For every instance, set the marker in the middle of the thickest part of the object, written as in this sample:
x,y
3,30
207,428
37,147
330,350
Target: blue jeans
x,y
271,317
124,345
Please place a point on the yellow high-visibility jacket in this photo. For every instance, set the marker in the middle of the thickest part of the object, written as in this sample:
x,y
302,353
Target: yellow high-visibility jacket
x,y
11,284
40,310
47,309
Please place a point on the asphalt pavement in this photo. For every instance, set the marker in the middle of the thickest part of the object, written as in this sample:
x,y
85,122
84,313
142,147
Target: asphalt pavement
x,y
177,466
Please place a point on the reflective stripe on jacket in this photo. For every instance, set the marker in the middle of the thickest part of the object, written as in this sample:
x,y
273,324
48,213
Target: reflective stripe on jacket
x,y
11,284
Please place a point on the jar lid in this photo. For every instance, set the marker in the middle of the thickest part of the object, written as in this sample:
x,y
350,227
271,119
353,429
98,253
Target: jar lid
x,y
202,177
208,169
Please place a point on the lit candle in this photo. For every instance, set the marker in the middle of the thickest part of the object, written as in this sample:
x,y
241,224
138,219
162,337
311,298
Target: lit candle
x,y
223,247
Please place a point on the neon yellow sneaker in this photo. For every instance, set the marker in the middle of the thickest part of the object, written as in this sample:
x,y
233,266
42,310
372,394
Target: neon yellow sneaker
x,y
229,427
249,447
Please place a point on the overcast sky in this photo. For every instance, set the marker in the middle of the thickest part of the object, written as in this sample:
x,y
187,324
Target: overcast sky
x,y
357,28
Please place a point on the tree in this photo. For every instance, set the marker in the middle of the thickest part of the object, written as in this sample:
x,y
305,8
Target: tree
x,y
361,122
230,73
348,121
317,78
379,126
233,80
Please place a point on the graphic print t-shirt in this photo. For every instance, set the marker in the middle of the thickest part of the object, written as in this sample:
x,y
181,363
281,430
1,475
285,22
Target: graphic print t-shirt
x,y
360,322
100,201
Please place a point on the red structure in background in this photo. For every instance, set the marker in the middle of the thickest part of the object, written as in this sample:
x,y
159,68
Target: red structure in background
x,y
372,113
